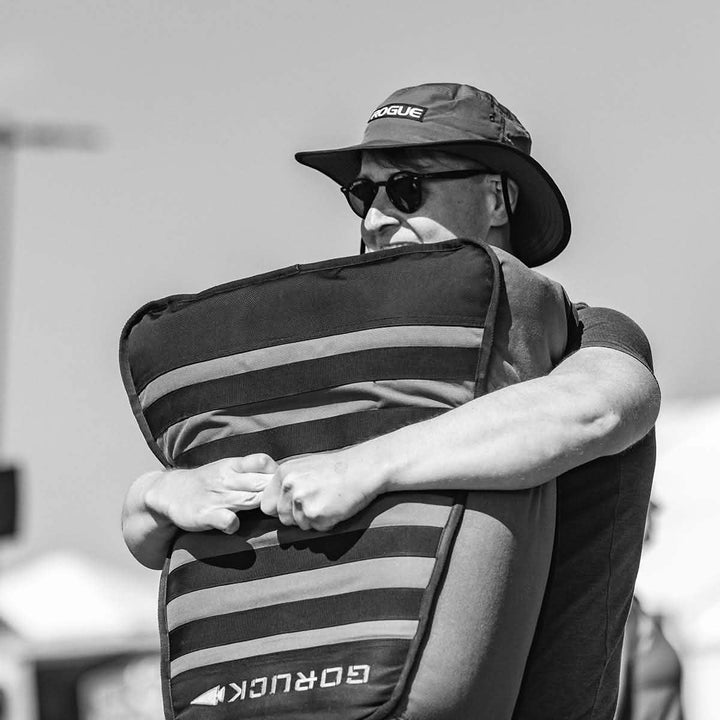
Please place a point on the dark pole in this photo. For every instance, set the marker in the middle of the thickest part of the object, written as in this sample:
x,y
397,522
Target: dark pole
x,y
7,193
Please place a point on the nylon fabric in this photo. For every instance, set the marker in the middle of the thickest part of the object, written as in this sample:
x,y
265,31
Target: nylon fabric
x,y
356,632
333,550
261,531
312,303
372,605
333,402
274,355
310,376
316,436
386,573
375,601
282,673
256,408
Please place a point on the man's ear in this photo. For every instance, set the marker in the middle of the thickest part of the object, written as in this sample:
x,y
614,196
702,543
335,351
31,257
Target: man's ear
x,y
500,216
513,192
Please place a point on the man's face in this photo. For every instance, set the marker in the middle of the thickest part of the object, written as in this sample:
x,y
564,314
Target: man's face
x,y
451,208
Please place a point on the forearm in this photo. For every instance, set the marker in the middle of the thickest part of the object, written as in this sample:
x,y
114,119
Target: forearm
x,y
523,435
147,532
503,441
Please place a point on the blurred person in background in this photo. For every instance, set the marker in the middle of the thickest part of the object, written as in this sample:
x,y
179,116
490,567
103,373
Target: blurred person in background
x,y
651,675
441,161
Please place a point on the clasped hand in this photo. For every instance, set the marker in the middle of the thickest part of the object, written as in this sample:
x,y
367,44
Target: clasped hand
x,y
208,497
316,492
311,491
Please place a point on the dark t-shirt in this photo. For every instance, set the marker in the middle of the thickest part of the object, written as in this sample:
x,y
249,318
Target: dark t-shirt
x,y
572,672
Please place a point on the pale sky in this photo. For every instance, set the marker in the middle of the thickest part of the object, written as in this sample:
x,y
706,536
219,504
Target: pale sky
x,y
201,107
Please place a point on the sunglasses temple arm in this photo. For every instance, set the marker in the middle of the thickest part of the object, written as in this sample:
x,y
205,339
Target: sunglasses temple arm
x,y
506,200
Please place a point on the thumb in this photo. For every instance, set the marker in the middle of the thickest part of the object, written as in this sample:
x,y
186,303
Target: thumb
x,y
224,520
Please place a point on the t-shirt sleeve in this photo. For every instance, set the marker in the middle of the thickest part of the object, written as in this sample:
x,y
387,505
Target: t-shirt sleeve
x,y
603,327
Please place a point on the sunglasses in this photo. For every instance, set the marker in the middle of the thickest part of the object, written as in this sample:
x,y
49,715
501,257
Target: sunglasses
x,y
404,189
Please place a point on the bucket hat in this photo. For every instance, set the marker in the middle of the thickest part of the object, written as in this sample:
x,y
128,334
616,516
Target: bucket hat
x,y
465,121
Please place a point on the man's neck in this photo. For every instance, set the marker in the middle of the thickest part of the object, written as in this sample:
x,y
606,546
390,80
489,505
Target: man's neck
x,y
499,237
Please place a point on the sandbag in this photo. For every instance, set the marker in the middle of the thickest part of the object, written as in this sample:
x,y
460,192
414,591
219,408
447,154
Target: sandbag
x,y
281,623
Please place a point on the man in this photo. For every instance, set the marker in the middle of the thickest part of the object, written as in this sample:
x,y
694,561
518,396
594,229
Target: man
x,y
651,681
441,161
651,677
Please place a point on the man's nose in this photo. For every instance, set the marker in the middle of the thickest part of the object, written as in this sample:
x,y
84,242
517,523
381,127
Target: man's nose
x,y
376,220
379,215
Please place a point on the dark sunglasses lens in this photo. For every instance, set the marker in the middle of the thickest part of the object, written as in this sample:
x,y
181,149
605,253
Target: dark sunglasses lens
x,y
360,195
405,192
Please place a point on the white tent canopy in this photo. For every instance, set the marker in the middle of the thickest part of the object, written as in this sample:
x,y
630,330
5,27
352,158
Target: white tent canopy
x,y
63,600
680,572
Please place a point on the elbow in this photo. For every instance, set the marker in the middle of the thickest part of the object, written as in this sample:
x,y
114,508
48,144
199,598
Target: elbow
x,y
150,558
146,542
612,400
152,561
602,428
611,427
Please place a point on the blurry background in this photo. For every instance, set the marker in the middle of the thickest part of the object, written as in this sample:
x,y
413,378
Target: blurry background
x,y
181,176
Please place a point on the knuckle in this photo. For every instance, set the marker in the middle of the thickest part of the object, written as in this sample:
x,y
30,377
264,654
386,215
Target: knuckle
x,y
258,462
223,466
286,519
312,514
267,503
226,525
322,525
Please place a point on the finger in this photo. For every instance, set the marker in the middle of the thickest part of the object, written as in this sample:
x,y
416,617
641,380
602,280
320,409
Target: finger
x,y
324,524
285,504
224,520
269,498
260,462
256,463
242,500
299,517
250,481
285,514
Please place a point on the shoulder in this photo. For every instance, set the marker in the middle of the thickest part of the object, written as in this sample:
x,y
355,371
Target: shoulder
x,y
606,327
537,308
526,281
531,292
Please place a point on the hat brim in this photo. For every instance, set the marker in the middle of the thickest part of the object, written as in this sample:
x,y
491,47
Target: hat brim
x,y
541,221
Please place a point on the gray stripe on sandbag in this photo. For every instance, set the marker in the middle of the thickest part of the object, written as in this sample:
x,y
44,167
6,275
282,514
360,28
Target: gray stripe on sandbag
x,y
382,337
376,573
387,511
356,632
210,426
